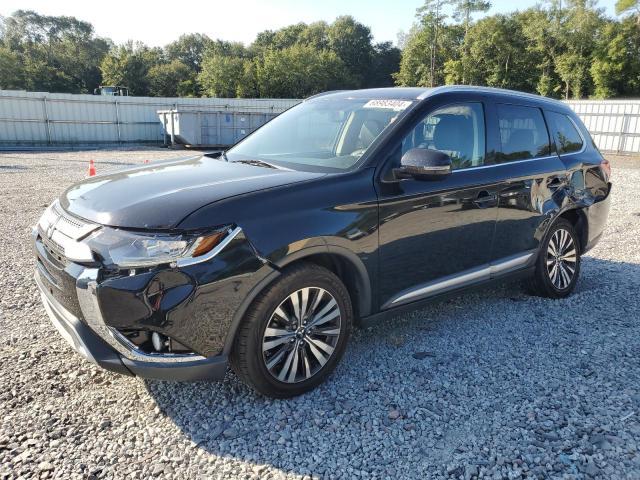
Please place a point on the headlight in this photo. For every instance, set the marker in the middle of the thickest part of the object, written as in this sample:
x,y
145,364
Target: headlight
x,y
133,249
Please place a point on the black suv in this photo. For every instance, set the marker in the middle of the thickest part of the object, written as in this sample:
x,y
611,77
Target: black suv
x,y
349,206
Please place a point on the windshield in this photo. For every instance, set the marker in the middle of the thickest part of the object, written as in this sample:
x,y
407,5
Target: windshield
x,y
326,134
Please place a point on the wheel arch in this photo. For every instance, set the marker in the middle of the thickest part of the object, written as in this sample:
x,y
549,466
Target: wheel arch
x,y
345,264
578,219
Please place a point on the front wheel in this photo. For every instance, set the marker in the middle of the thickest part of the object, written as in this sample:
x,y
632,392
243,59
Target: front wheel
x,y
558,263
294,333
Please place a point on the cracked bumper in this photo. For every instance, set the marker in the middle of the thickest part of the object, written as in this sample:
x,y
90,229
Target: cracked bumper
x,y
104,352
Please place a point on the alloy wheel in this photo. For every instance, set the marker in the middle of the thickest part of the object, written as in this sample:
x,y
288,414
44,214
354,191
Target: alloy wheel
x,y
301,335
561,259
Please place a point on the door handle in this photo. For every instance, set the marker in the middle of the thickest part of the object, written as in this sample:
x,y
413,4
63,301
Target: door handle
x,y
486,199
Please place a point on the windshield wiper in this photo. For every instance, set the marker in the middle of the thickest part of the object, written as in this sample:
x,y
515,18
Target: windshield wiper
x,y
257,163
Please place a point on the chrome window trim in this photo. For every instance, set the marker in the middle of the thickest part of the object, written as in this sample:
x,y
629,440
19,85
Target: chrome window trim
x,y
546,157
464,278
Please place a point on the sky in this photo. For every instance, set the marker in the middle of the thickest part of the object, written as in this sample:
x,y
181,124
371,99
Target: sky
x,y
160,22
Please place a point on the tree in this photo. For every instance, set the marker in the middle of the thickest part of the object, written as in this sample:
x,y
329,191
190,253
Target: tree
x,y
544,44
299,71
173,79
58,53
128,65
385,62
189,50
629,6
350,41
579,30
221,75
11,70
422,63
494,55
463,10
432,18
616,60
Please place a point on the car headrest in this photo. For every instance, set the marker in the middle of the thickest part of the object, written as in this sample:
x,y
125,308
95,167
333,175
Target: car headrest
x,y
454,133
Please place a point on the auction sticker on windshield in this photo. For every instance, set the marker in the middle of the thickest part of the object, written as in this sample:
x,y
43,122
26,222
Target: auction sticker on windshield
x,y
396,105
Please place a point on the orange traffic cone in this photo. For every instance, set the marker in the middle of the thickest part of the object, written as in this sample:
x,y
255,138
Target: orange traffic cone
x,y
92,168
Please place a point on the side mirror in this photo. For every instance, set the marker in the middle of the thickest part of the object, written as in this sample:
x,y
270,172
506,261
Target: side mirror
x,y
424,163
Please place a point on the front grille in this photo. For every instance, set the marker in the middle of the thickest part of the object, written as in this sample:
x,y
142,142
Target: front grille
x,y
58,229
71,226
54,250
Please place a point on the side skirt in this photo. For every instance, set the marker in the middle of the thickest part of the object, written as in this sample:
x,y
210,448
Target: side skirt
x,y
418,304
462,279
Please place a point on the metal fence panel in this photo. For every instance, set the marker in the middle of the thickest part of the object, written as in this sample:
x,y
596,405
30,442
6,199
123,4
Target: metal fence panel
x,y
40,118
613,124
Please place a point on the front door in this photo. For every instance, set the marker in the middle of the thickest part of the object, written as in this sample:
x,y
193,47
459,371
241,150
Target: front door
x,y
436,235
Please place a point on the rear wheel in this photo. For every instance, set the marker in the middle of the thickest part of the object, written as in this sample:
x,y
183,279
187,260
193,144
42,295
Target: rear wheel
x,y
558,264
294,333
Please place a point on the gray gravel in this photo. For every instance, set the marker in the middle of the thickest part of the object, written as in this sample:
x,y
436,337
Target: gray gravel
x,y
493,385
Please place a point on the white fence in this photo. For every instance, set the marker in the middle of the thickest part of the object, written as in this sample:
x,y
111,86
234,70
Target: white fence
x,y
45,119
37,118
614,124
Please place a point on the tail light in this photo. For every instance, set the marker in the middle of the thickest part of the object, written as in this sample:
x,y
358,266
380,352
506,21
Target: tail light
x,y
606,168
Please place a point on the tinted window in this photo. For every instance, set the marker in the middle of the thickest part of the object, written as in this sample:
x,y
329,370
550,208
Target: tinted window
x,y
566,136
523,133
457,130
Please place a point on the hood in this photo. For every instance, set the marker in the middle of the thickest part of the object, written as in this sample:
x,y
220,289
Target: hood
x,y
159,196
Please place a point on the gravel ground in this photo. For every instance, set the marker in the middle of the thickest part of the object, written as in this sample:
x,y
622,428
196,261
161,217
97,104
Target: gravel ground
x,y
495,384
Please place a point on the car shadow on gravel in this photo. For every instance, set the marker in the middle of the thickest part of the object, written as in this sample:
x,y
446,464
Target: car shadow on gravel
x,y
461,382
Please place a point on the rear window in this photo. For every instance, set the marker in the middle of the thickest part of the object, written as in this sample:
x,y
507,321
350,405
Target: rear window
x,y
565,134
523,133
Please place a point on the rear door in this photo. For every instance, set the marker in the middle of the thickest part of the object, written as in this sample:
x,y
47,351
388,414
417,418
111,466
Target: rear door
x,y
532,179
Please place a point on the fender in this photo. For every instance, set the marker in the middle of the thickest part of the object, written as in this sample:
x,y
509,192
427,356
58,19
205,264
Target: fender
x,y
363,295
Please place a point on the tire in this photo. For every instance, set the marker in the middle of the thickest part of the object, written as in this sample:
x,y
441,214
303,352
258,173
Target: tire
x,y
281,353
558,263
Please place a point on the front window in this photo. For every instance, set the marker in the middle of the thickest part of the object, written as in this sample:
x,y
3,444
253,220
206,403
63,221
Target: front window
x,y
325,134
457,130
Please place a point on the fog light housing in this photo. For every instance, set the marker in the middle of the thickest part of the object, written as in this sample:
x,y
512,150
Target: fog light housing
x,y
151,342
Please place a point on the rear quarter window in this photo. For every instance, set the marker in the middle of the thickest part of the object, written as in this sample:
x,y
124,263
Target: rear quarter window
x,y
523,133
565,134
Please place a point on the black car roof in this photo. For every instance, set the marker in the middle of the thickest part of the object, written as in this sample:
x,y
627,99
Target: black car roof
x,y
421,93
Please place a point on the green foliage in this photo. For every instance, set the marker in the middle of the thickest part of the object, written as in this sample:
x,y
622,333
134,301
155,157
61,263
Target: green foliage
x,y
559,48
298,71
128,65
11,70
221,75
628,6
172,79
616,61
562,49
350,41
189,50
386,59
492,56
423,59
55,53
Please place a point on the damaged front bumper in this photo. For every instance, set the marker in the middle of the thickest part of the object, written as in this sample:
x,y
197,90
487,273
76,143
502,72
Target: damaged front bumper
x,y
103,346
99,311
